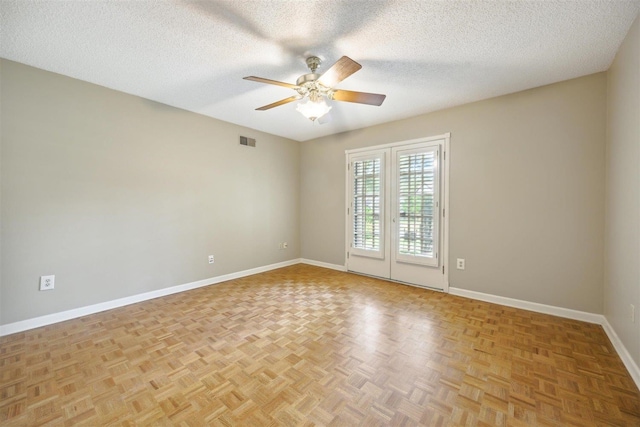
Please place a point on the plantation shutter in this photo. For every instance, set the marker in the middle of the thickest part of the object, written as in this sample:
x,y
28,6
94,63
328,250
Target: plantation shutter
x,y
367,204
418,208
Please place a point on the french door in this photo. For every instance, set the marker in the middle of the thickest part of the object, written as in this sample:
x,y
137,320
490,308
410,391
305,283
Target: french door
x,y
396,212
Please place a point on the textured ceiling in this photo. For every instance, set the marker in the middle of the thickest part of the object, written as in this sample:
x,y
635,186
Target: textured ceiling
x,y
424,55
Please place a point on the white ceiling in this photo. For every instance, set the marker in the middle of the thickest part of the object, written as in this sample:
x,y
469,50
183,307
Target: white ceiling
x,y
424,55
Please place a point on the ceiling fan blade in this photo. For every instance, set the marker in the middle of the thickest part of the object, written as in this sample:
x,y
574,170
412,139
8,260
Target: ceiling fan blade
x,y
269,81
339,71
359,97
279,103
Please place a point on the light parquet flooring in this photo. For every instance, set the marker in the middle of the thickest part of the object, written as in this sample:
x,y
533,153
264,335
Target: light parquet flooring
x,y
304,345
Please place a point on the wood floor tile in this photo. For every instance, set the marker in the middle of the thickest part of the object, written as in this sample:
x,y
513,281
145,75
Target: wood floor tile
x,y
305,346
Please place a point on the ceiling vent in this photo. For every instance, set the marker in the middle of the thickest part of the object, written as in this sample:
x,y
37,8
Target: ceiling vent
x,y
249,142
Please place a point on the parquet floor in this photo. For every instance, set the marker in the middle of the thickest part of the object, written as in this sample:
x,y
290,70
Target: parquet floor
x,y
308,346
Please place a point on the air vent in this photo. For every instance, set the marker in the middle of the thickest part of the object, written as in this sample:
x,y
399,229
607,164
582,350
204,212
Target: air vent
x,y
249,142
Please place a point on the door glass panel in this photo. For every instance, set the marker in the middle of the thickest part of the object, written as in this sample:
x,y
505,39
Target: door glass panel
x,y
417,204
367,204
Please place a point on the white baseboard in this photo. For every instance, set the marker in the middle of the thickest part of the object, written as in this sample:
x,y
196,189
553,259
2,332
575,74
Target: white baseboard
x,y
531,306
568,313
36,322
622,351
323,264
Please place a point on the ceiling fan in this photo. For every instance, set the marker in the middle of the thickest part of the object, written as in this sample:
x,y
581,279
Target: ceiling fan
x,y
316,88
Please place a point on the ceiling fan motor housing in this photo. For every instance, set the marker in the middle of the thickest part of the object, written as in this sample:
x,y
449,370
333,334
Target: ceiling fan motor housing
x,y
307,78
308,85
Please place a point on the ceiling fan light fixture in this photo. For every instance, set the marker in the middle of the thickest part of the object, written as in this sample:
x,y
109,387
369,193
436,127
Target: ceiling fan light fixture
x,y
313,110
315,88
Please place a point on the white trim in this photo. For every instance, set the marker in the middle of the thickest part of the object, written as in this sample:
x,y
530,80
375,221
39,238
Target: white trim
x,y
447,212
36,322
398,143
622,351
531,306
347,204
568,313
323,264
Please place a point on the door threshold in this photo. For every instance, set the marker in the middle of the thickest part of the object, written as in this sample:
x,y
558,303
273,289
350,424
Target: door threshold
x,y
429,288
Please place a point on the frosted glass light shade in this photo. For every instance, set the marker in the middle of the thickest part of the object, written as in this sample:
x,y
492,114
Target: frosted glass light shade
x,y
313,110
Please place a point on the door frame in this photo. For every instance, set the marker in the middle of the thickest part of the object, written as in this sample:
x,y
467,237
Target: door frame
x,y
444,189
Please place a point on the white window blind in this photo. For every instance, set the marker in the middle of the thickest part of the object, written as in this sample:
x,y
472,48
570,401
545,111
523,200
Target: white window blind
x,y
367,204
418,210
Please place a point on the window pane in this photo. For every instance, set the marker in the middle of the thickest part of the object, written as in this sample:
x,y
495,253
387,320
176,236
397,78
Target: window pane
x,y
416,204
366,204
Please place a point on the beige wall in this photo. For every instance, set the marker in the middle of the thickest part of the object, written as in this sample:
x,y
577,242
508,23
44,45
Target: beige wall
x,y
622,273
527,191
117,195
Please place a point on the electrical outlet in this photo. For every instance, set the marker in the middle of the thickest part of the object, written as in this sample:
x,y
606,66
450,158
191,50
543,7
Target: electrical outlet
x,y
47,283
633,313
460,263
210,259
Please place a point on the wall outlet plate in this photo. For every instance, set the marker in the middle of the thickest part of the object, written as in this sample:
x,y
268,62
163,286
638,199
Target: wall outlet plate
x,y
460,263
47,283
210,259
